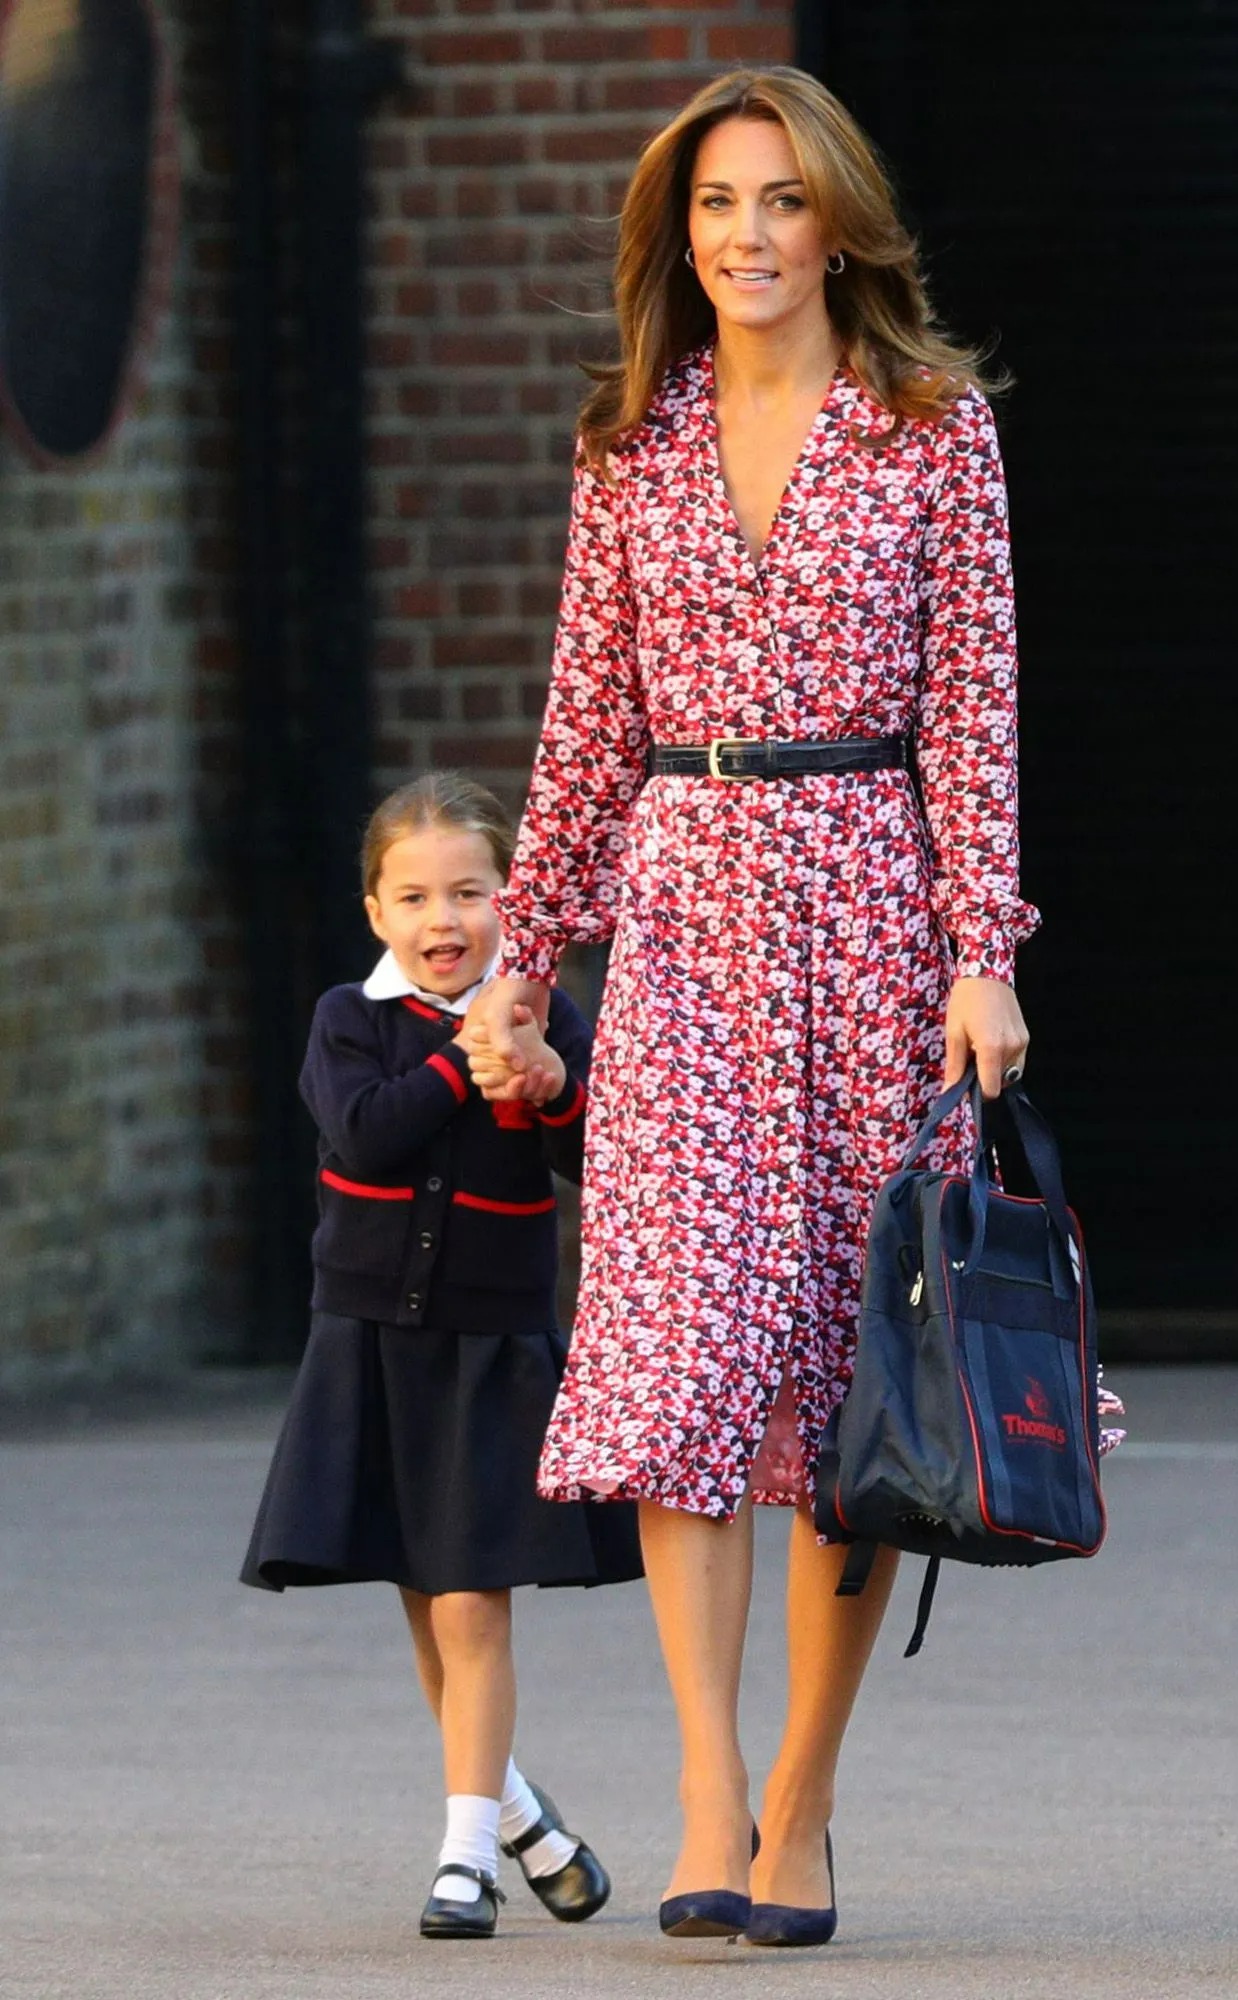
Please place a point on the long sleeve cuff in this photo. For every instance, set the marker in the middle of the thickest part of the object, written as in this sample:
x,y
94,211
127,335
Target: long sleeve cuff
x,y
526,955
452,1065
568,1106
984,955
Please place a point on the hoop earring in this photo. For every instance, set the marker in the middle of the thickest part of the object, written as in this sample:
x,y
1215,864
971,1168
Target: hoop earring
x,y
689,259
835,263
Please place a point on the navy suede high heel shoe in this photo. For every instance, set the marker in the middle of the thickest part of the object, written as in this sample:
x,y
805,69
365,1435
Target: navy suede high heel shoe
x,y
708,1912
782,1923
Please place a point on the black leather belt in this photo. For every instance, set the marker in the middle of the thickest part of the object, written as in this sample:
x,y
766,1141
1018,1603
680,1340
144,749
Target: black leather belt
x,y
740,759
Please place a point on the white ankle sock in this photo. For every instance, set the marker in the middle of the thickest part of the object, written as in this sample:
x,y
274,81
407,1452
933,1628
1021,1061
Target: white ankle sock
x,y
520,1811
472,1838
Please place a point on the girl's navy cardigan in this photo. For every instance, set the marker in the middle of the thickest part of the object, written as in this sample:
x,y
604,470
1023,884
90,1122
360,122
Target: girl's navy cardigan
x,y
435,1207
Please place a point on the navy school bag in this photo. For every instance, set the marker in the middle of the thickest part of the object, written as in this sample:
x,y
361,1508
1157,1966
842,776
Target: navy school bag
x,y
970,1428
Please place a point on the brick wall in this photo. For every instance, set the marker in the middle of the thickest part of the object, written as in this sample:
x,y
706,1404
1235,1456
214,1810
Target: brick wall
x,y
118,972
491,207
125,1122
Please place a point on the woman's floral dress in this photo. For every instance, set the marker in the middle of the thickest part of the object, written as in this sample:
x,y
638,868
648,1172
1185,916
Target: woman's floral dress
x,y
771,1030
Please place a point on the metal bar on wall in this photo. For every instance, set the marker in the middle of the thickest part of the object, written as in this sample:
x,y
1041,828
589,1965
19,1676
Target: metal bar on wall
x,y
345,69
262,862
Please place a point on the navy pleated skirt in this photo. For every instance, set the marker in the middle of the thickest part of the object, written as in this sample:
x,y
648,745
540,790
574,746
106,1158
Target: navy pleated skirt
x,y
409,1456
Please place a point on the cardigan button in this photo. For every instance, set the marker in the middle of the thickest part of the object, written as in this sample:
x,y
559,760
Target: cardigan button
x,y
413,1302
434,1184
426,1240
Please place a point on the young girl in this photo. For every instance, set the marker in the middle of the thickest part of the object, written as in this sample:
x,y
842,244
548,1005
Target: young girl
x,y
409,1452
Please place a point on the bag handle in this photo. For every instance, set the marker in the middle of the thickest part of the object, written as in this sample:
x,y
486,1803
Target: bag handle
x,y
1042,1156
1039,1150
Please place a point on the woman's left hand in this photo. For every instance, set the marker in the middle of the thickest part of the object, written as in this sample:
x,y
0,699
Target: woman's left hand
x,y
984,1019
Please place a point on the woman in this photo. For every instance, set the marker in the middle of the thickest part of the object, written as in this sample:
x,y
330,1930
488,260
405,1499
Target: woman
x,y
788,529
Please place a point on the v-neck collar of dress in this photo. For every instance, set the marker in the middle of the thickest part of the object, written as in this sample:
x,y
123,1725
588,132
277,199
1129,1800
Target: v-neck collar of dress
x,y
707,403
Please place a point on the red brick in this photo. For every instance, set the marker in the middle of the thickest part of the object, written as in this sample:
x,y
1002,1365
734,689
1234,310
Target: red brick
x,y
394,653
479,350
478,200
581,143
483,701
450,51
540,93
417,299
420,704
504,147
650,90
389,551
671,44
473,100
749,42
387,152
480,648
477,295
472,247
419,600
390,350
412,501
419,200
486,753
481,600
539,597
488,447
545,195
594,44
546,398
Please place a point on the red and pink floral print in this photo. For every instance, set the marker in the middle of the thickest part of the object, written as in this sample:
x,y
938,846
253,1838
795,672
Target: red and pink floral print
x,y
771,1031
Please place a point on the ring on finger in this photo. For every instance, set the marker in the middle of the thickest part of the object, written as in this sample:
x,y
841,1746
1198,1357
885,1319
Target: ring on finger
x,y
1013,1074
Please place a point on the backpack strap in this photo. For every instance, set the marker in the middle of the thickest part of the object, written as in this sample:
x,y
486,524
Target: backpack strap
x,y
855,1574
923,1608
857,1569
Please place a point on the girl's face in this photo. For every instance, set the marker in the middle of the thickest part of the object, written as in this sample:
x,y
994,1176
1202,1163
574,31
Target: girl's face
x,y
760,252
432,906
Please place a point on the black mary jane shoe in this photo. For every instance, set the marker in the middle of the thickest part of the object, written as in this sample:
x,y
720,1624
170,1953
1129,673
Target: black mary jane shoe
x,y
574,1892
445,1918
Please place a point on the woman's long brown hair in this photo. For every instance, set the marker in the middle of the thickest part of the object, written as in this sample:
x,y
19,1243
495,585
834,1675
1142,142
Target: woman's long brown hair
x,y
877,304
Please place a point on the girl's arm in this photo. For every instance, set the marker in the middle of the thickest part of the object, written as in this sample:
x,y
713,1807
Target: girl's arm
x,y
966,730
590,763
375,1122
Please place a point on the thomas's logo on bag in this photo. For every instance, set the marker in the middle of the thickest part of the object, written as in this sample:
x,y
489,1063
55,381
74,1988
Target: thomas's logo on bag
x,y
1035,1429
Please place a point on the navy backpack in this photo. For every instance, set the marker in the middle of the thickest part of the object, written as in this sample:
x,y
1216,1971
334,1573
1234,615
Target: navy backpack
x,y
970,1429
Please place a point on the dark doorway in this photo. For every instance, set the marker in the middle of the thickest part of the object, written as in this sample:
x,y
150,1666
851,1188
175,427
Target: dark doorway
x,y
1072,172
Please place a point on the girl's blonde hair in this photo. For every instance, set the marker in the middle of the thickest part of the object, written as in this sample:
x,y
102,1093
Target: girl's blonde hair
x,y
877,303
442,798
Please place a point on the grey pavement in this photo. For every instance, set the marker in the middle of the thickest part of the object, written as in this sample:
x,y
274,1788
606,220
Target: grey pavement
x,y
209,1793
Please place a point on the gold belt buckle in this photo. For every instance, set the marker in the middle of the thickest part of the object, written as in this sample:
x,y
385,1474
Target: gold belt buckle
x,y
718,747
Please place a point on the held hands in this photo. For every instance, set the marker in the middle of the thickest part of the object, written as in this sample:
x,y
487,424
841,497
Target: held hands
x,y
508,1055
984,1019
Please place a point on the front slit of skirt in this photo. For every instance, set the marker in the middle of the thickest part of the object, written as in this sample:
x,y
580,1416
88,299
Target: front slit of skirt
x,y
778,1478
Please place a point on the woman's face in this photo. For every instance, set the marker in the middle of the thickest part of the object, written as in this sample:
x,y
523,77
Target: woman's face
x,y
759,249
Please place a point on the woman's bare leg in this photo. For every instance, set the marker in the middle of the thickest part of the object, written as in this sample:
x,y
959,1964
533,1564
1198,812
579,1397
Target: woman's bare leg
x,y
829,1640
425,1648
700,1580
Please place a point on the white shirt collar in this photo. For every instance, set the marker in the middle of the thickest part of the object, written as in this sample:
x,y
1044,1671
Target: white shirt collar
x,y
387,982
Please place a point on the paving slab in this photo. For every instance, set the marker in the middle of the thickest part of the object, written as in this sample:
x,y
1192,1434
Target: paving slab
x,y
212,1794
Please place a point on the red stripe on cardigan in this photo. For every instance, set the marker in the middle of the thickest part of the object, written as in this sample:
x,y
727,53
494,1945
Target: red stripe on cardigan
x,y
573,1111
439,1062
504,1207
362,1188
416,1007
